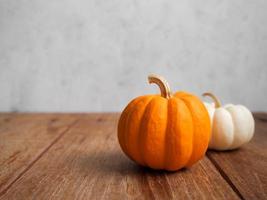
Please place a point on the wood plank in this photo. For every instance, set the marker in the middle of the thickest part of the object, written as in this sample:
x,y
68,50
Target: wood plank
x,y
87,163
24,138
245,168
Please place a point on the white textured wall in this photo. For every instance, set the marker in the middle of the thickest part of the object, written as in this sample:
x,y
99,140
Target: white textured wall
x,y
85,55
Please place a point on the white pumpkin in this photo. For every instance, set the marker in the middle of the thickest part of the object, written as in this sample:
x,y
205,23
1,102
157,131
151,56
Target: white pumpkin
x,y
232,125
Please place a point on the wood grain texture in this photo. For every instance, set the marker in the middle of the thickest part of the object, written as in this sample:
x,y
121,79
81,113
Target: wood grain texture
x,y
24,138
245,168
87,163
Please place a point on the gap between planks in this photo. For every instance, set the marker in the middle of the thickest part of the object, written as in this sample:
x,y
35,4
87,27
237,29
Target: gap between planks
x,y
260,116
225,176
39,156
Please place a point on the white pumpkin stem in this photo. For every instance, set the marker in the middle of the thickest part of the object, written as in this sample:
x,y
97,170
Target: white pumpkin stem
x,y
162,83
214,98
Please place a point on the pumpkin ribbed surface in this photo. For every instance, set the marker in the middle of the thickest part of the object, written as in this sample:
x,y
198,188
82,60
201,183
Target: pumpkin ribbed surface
x,y
165,133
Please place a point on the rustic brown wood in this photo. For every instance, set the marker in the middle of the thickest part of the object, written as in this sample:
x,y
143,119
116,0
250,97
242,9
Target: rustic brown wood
x,y
245,168
23,140
87,163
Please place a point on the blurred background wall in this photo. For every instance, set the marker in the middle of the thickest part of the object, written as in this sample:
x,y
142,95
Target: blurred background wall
x,y
95,55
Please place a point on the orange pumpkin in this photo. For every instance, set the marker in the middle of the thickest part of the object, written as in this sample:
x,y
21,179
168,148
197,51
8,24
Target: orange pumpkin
x,y
167,131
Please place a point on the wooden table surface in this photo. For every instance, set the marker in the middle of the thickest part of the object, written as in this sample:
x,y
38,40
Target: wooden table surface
x,y
77,156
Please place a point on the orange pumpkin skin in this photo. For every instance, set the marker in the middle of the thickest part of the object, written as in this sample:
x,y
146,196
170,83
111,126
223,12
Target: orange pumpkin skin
x,y
165,133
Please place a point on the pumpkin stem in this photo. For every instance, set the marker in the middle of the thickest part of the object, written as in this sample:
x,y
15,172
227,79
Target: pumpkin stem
x,y
214,98
162,83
